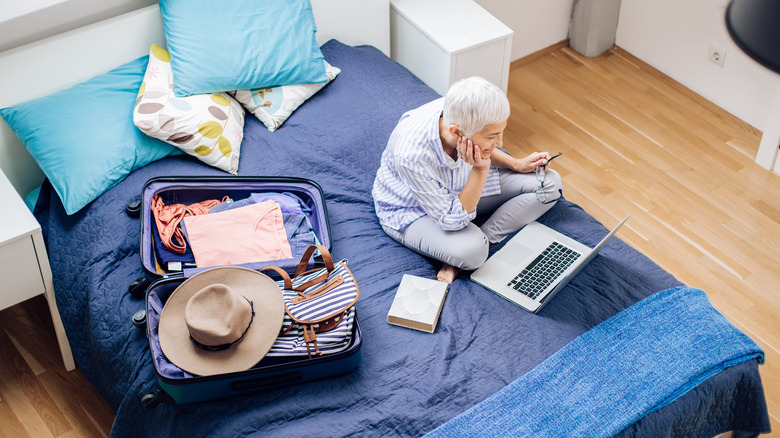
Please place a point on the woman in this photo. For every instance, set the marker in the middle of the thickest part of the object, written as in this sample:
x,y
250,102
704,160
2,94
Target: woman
x,y
442,165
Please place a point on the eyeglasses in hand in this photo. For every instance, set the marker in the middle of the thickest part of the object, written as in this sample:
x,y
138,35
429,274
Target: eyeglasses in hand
x,y
541,194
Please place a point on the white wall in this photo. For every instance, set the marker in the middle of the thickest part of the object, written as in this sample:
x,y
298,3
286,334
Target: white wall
x,y
675,37
537,24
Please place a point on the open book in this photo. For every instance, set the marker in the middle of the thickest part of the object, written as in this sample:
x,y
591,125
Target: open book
x,y
417,303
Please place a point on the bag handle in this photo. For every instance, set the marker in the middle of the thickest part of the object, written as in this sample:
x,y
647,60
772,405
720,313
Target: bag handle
x,y
304,263
282,273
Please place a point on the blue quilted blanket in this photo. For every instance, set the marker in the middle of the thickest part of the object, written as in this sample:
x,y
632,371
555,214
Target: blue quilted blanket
x,y
408,382
632,364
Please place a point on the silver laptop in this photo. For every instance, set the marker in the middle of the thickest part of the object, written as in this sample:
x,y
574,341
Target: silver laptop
x,y
536,264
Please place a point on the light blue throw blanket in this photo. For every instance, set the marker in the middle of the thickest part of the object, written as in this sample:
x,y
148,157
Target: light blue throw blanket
x,y
630,365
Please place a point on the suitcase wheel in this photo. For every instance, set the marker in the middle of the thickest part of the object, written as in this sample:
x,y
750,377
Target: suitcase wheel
x,y
152,399
133,208
138,287
139,318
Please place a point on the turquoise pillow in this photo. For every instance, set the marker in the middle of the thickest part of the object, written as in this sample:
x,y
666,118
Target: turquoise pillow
x,y
218,46
83,138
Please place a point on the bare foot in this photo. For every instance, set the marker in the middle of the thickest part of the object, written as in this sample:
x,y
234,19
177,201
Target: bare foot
x,y
447,273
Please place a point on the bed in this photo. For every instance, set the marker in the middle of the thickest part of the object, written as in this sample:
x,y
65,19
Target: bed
x,y
408,383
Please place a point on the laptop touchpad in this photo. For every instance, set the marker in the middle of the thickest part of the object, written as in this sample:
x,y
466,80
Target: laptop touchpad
x,y
514,253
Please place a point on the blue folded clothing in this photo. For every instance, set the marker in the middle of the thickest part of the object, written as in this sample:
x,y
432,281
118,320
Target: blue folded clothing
x,y
630,365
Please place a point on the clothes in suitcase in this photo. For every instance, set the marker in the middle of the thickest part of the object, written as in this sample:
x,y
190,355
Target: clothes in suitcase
x,y
243,214
172,197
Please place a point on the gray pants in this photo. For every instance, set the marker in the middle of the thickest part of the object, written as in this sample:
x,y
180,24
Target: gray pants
x,y
514,208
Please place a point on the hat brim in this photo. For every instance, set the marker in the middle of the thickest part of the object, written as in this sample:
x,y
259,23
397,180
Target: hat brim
x,y
268,304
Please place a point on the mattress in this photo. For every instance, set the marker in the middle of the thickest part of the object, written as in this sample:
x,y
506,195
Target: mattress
x,y
408,382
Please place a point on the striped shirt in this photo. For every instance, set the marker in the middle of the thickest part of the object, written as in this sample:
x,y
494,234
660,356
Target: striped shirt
x,y
417,178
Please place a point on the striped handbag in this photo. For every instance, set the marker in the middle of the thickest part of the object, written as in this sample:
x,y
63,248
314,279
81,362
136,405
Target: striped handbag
x,y
319,308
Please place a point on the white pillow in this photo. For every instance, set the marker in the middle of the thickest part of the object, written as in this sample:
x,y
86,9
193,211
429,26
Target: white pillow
x,y
207,126
274,105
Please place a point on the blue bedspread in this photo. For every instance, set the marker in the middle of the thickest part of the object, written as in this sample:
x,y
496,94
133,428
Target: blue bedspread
x,y
632,364
408,382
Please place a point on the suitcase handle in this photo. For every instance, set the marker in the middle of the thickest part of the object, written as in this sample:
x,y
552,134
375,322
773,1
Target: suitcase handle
x,y
266,382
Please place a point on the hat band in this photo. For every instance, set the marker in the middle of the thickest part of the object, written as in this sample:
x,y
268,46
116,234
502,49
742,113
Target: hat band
x,y
229,344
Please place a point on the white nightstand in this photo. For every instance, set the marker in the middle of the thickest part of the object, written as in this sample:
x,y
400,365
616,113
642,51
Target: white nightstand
x,y
442,41
24,265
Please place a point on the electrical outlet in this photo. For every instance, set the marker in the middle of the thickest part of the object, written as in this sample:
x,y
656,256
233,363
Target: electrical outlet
x,y
717,54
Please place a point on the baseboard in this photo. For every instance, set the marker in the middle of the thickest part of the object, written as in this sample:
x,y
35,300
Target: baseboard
x,y
536,55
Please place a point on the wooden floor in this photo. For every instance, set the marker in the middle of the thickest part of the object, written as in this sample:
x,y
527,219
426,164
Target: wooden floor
x,y
38,397
633,141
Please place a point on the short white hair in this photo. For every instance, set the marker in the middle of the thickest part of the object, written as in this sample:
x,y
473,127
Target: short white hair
x,y
474,103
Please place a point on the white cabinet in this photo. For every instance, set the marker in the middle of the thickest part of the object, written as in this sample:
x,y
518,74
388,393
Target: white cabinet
x,y
24,265
442,41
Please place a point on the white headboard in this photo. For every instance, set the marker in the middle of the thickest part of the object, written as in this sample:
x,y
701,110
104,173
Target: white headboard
x,y
52,64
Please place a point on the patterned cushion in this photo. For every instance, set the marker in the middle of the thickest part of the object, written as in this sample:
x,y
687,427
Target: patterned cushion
x,y
207,126
274,105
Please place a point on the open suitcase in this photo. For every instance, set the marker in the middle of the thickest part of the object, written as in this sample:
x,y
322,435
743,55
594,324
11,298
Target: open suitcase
x,y
271,372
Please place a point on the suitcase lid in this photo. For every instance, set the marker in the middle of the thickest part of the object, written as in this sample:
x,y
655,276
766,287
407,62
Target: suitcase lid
x,y
189,190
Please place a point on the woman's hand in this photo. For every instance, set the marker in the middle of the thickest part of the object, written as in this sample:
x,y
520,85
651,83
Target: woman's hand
x,y
469,152
532,161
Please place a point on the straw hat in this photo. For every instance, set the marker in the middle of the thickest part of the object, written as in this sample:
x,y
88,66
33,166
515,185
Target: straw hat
x,y
221,320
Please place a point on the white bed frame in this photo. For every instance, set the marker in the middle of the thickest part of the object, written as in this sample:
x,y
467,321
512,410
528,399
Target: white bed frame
x,y
59,62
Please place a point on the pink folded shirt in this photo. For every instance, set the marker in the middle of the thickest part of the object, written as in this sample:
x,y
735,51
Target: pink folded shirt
x,y
254,233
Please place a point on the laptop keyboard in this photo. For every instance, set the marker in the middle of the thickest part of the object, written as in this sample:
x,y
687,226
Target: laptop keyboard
x,y
545,269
